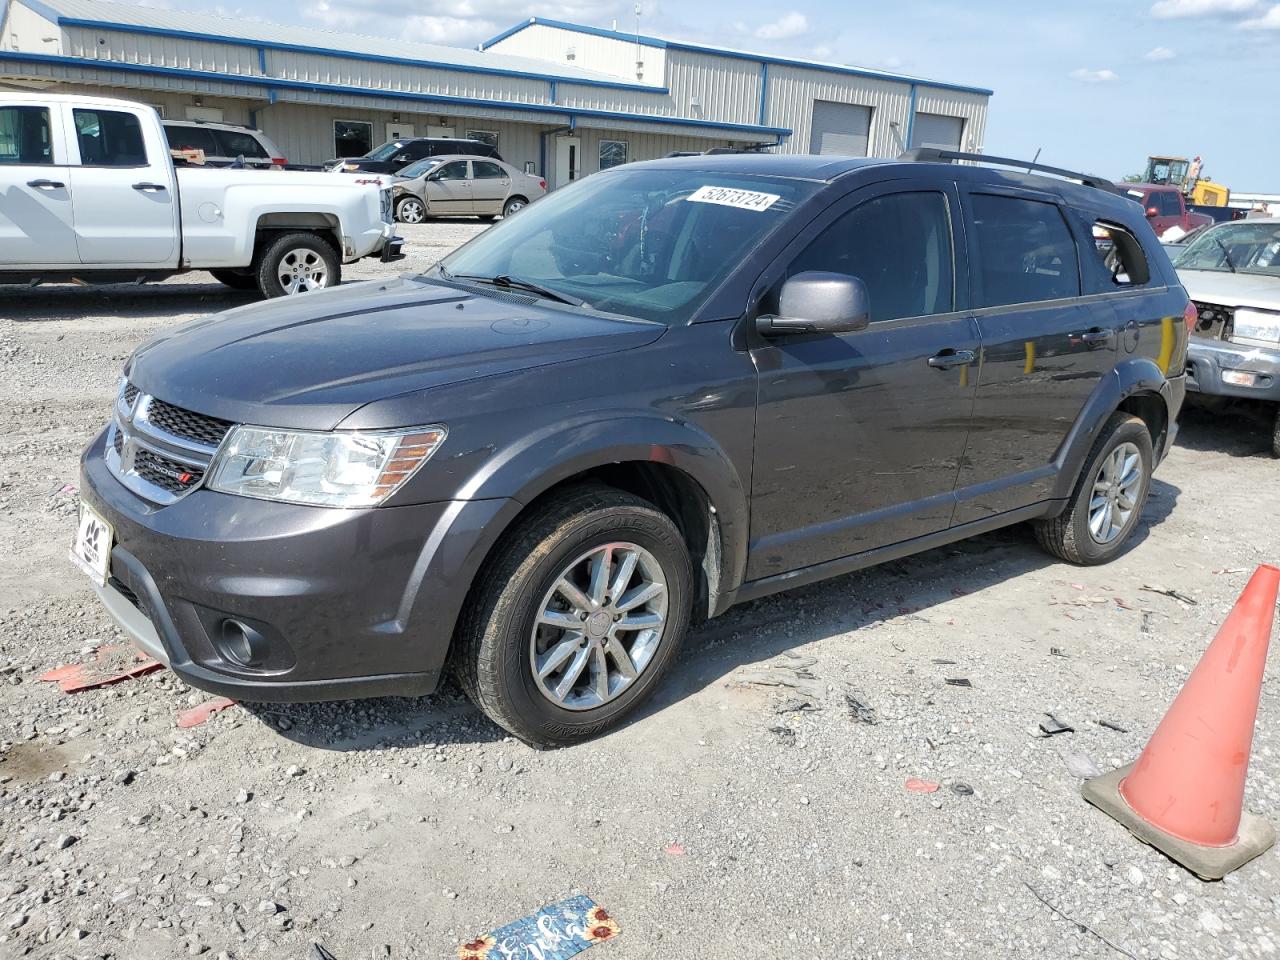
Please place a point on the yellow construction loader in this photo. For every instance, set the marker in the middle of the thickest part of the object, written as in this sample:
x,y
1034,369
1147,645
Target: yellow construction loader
x,y
1186,175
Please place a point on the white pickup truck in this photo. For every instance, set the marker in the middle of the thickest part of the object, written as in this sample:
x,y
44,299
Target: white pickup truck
x,y
90,193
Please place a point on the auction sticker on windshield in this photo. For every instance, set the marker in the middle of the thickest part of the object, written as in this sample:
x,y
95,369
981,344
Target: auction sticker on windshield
x,y
91,549
730,197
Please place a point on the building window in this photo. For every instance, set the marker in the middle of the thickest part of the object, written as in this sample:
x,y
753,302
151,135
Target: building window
x,y
352,138
484,136
613,153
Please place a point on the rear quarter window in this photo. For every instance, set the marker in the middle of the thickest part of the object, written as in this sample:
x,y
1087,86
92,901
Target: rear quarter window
x,y
1117,261
233,143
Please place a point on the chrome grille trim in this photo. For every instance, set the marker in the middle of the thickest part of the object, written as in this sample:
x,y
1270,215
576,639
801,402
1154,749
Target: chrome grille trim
x,y
165,455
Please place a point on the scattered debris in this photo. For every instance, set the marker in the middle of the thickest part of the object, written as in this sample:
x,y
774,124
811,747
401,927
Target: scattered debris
x,y
318,952
111,664
198,715
959,681
1168,592
916,785
961,789
1058,652
793,674
1079,764
1082,927
1232,570
797,705
676,850
784,734
1112,725
1052,726
860,710
942,662
555,932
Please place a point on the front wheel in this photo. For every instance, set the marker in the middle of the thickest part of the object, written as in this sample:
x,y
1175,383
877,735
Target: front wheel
x,y
1108,498
295,263
577,617
410,210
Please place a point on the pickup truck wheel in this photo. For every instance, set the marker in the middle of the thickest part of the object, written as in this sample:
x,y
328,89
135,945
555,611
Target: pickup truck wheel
x,y
236,280
410,210
1108,499
295,263
576,617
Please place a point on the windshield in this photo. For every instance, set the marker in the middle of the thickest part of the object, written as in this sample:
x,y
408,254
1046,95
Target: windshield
x,y
1242,247
384,152
419,167
647,243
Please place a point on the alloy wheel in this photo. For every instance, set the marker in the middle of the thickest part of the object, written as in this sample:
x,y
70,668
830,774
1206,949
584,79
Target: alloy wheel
x,y
1116,490
411,211
599,626
302,270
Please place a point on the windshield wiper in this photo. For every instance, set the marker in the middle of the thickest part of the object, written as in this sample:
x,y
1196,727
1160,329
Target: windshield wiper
x,y
1226,254
515,283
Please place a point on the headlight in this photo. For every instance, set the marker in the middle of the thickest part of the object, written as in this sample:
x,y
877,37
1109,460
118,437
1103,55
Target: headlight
x,y
322,469
1257,325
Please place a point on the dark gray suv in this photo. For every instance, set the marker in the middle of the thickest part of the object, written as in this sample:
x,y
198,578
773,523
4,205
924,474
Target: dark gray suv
x,y
669,388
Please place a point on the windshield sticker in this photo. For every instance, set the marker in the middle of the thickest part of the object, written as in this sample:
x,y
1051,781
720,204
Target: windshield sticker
x,y
729,197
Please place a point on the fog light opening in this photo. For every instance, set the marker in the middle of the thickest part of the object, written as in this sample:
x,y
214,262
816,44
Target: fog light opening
x,y
241,644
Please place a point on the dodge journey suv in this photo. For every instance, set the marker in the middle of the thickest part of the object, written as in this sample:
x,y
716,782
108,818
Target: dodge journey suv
x,y
666,389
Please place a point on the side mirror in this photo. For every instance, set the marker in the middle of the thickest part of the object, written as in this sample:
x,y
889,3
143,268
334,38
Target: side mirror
x,y
816,302
1153,212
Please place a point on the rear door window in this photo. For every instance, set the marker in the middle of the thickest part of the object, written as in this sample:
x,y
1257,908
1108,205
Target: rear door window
x,y
1023,251
26,136
484,170
235,143
109,138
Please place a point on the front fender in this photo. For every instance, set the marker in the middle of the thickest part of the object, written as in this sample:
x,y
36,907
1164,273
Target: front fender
x,y
1133,376
539,461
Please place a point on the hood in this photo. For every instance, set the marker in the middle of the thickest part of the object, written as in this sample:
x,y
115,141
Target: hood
x,y
1227,289
309,361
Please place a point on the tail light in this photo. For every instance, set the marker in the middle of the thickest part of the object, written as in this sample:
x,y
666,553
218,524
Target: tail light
x,y
279,161
1192,316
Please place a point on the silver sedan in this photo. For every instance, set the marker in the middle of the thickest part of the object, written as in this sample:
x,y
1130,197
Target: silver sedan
x,y
454,186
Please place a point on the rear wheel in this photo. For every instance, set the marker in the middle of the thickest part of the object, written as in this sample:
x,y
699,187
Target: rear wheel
x,y
1275,434
410,210
514,205
488,217
577,616
295,263
236,280
1108,498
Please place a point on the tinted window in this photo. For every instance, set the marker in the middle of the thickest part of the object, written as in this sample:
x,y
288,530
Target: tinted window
x,y
484,170
899,246
1121,257
354,138
1024,252
442,148
109,139
1168,203
234,143
24,135
453,171
191,138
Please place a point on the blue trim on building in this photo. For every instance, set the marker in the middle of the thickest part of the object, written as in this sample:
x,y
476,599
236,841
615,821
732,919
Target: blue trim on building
x,y
735,55
262,59
555,92
570,113
911,115
346,54
764,94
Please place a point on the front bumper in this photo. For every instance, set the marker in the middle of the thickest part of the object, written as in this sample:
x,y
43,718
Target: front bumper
x,y
349,603
393,250
1208,359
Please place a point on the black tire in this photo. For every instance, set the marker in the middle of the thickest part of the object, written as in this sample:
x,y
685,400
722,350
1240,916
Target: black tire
x,y
408,202
235,279
1068,536
513,206
1275,434
488,217
272,258
492,657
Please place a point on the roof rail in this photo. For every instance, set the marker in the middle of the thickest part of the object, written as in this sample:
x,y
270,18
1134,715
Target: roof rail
x,y
934,155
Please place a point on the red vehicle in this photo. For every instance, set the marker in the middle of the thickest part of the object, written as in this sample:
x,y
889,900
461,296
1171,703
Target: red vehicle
x,y
1166,207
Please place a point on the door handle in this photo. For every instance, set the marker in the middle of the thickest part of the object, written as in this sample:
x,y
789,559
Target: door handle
x,y
46,184
149,187
949,358
1096,335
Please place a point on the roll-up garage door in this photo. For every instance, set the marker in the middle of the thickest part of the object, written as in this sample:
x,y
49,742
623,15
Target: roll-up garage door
x,y
840,128
935,130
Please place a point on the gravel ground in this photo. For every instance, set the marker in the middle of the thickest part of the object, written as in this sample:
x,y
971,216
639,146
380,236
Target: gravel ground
x,y
725,822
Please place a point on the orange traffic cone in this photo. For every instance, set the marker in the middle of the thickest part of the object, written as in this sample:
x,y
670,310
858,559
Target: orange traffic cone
x,y
1184,796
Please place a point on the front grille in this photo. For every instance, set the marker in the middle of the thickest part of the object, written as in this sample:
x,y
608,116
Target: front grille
x,y
164,473
117,441
130,394
183,423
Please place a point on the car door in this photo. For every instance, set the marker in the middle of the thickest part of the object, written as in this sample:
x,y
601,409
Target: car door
x,y
1045,348
448,188
122,178
859,436
490,186
37,225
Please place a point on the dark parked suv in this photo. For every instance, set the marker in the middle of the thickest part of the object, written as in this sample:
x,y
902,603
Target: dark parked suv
x,y
394,155
669,388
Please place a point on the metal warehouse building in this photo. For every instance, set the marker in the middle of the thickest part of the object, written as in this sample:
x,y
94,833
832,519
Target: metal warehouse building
x,y
557,98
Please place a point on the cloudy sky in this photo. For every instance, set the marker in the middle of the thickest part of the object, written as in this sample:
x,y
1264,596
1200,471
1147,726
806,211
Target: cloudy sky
x,y
1095,85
